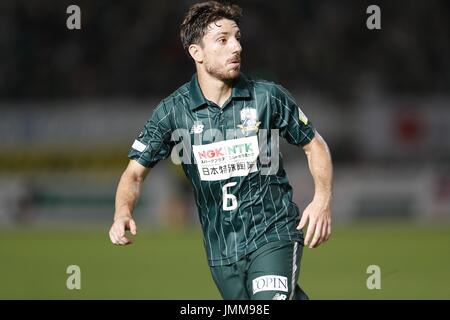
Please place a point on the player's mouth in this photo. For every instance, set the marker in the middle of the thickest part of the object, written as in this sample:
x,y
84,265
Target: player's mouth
x,y
235,62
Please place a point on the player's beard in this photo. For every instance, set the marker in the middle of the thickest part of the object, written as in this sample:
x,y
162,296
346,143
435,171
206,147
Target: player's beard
x,y
222,73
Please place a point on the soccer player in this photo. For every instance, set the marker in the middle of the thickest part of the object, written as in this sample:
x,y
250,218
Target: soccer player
x,y
252,230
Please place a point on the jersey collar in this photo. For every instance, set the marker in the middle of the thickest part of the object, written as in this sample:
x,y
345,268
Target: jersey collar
x,y
240,90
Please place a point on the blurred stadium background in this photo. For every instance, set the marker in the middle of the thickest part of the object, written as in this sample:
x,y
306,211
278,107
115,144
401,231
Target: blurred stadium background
x,y
72,102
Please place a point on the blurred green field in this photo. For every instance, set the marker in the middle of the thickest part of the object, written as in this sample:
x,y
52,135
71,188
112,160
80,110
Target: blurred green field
x,y
414,262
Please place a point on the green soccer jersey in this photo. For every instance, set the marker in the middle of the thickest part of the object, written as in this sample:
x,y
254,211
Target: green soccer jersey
x,y
230,155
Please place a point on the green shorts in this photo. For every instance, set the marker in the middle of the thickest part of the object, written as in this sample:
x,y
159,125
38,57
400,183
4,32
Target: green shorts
x,y
268,273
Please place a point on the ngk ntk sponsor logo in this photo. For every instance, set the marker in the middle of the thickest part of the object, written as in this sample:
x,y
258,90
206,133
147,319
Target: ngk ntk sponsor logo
x,y
228,158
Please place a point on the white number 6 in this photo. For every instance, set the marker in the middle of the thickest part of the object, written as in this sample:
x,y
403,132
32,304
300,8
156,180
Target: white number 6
x,y
227,196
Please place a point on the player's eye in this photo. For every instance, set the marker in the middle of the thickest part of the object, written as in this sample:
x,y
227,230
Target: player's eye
x,y
222,40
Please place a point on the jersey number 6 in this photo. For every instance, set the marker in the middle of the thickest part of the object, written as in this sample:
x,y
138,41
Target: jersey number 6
x,y
227,196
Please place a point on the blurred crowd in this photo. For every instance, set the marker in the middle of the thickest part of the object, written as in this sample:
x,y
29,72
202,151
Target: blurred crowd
x,y
72,101
132,48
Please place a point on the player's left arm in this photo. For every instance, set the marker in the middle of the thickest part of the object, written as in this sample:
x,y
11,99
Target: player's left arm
x,y
318,213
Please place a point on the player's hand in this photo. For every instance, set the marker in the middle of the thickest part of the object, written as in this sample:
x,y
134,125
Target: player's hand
x,y
117,231
318,216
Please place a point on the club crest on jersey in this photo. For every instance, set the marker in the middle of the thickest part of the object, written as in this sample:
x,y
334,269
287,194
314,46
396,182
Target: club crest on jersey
x,y
197,127
249,120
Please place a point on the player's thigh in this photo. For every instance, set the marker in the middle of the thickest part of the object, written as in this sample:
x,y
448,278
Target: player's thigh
x,y
230,280
273,271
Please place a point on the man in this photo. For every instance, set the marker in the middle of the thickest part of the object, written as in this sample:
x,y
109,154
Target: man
x,y
251,227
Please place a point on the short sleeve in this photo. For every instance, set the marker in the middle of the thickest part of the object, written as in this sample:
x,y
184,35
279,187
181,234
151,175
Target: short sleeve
x,y
293,124
154,142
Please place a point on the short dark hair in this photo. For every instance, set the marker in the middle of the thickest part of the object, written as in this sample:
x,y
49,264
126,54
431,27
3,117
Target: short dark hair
x,y
200,15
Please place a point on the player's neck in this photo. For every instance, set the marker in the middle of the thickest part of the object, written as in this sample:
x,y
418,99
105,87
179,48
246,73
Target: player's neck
x,y
213,89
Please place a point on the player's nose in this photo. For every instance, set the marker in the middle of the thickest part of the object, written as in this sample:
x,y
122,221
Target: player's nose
x,y
236,47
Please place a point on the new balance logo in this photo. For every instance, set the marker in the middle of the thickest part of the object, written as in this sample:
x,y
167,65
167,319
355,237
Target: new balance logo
x,y
279,296
197,127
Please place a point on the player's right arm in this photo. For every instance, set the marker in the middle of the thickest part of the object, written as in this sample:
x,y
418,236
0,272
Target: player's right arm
x,y
152,145
127,194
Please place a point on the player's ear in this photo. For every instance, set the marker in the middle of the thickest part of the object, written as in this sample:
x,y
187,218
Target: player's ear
x,y
196,53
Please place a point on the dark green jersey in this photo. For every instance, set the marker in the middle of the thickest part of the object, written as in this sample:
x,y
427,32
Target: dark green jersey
x,y
230,155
